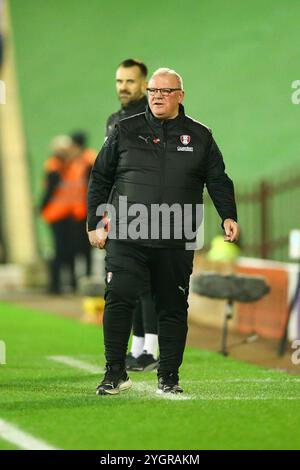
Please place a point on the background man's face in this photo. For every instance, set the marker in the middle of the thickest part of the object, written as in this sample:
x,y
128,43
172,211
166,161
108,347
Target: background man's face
x,y
130,84
165,107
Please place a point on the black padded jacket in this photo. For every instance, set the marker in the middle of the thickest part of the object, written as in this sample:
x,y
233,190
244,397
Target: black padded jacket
x,y
154,162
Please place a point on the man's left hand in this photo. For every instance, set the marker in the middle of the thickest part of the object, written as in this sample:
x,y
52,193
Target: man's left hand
x,y
232,230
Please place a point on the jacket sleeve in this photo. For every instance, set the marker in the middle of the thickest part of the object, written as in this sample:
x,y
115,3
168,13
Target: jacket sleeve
x,y
102,179
52,182
219,185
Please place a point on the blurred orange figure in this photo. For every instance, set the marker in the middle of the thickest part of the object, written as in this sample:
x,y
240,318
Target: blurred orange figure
x,y
64,206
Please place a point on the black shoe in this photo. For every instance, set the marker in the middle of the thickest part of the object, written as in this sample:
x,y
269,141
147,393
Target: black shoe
x,y
169,383
131,362
145,362
115,381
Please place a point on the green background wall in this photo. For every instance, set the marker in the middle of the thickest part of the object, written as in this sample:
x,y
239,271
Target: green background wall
x,y
238,60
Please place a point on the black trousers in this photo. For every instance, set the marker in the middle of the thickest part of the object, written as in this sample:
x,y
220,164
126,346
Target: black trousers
x,y
82,245
133,271
145,316
64,253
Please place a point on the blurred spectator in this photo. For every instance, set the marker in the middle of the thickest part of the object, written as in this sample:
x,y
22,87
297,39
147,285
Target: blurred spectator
x,y
64,205
87,157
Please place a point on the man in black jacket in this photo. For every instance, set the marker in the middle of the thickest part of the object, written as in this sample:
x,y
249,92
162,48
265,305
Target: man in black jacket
x,y
131,83
157,159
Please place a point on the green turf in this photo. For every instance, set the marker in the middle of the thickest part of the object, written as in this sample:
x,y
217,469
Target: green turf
x,y
4,445
227,405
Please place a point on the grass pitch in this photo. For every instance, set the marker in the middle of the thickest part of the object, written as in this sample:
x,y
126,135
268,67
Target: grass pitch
x,y
226,404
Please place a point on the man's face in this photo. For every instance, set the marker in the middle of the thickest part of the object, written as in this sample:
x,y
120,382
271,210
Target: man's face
x,y
130,84
64,153
165,107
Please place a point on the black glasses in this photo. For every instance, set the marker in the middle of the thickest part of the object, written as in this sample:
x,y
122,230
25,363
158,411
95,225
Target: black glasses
x,y
162,91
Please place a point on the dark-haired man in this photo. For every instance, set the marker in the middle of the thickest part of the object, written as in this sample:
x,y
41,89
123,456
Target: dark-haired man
x,y
131,83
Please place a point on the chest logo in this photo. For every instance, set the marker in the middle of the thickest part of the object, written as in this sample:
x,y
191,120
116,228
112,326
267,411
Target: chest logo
x,y
185,139
145,139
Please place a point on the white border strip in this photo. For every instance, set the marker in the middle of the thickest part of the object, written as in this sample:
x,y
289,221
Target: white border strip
x,y
144,388
246,398
147,389
245,380
21,439
76,363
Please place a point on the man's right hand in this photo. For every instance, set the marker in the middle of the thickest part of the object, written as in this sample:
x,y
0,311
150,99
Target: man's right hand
x,y
98,238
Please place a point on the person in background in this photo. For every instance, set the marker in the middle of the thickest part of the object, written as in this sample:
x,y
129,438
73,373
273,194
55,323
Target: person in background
x,y
56,211
64,205
87,157
131,83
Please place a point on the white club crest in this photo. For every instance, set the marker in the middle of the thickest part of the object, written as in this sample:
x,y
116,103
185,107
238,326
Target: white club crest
x,y
185,139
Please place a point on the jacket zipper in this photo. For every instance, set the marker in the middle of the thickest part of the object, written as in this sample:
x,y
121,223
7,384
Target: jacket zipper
x,y
163,161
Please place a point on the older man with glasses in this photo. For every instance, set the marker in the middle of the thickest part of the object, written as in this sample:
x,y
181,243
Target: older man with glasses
x,y
160,158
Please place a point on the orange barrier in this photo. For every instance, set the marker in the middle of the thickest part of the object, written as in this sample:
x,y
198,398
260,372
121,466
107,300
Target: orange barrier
x,y
267,316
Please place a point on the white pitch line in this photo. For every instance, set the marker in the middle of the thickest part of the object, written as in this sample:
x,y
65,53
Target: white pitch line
x,y
76,363
141,387
146,389
244,380
21,439
238,398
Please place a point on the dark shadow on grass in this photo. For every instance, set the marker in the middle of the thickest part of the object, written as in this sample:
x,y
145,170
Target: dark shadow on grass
x,y
74,394
85,398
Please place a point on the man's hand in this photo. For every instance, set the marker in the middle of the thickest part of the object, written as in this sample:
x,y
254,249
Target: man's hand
x,y
98,238
232,230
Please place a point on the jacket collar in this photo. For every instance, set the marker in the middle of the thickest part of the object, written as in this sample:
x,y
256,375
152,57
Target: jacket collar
x,y
155,122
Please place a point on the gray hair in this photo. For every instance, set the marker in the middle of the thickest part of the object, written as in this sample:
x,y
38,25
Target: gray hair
x,y
166,71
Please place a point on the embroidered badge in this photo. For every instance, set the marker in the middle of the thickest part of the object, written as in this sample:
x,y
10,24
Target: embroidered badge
x,y
185,139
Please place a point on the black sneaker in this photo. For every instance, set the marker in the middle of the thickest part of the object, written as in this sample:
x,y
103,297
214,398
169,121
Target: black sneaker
x,y
145,362
115,381
168,383
131,362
